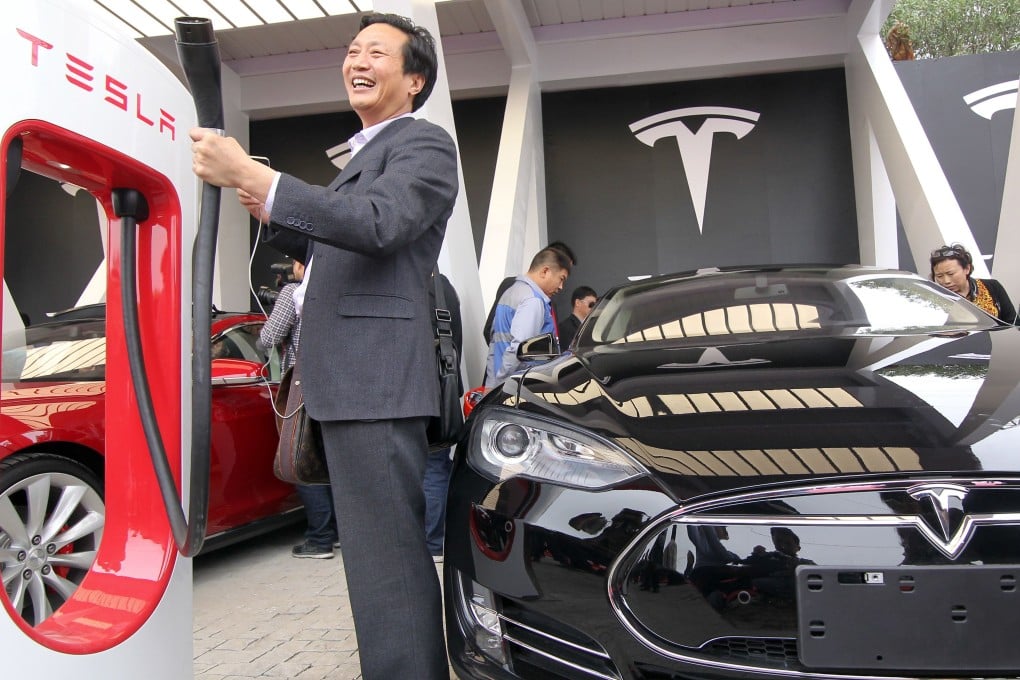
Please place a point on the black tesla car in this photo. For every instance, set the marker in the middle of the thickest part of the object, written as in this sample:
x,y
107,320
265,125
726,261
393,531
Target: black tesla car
x,y
754,473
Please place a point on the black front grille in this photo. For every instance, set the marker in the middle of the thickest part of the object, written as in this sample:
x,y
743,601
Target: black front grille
x,y
649,672
759,651
544,649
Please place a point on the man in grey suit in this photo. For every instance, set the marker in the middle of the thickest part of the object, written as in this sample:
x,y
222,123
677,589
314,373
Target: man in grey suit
x,y
367,353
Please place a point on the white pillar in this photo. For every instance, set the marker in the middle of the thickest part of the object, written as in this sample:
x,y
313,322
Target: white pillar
x,y
233,251
926,204
516,225
457,259
1007,240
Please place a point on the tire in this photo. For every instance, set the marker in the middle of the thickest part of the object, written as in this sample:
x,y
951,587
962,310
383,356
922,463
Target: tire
x,y
52,516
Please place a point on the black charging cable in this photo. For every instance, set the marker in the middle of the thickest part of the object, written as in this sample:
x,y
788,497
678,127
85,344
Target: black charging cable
x,y
200,58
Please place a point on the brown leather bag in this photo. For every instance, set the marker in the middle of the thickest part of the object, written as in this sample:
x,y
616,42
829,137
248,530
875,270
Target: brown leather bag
x,y
299,455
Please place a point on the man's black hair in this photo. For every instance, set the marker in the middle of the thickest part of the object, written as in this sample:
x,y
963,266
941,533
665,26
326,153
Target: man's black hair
x,y
581,292
553,257
419,51
565,249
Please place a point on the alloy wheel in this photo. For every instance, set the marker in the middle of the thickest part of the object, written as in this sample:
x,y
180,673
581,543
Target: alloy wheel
x,y
51,522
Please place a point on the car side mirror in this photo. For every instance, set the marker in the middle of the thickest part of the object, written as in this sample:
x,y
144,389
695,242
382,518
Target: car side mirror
x,y
238,372
539,348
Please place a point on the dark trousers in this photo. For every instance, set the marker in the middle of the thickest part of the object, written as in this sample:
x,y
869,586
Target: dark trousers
x,y
318,500
437,479
377,470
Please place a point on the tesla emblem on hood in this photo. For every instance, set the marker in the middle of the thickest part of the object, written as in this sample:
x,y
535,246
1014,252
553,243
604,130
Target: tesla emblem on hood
x,y
695,142
945,520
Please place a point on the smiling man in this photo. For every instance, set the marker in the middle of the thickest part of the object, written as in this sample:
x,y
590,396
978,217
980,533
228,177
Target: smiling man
x,y
367,354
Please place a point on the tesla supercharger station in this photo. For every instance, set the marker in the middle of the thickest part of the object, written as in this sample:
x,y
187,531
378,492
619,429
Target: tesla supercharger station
x,y
87,106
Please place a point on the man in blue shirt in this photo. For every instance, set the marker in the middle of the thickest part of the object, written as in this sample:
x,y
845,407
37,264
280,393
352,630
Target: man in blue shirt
x,y
523,312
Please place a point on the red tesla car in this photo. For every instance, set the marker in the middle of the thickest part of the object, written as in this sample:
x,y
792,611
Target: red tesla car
x,y
52,437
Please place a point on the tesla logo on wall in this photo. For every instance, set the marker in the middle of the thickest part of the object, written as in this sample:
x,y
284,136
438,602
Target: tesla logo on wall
x,y
695,142
988,101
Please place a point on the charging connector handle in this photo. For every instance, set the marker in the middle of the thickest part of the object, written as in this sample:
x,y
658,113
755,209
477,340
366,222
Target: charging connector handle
x,y
199,53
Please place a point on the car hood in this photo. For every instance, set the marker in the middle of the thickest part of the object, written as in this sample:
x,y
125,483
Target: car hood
x,y
32,412
707,418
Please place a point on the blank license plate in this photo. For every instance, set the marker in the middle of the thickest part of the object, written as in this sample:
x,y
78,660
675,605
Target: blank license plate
x,y
949,618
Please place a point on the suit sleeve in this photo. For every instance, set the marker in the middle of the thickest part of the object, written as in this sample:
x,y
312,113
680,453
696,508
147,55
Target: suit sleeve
x,y
403,188
290,243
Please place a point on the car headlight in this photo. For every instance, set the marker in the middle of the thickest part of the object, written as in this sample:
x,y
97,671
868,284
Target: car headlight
x,y
509,444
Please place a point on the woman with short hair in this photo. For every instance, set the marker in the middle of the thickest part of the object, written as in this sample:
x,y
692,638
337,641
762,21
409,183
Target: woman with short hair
x,y
951,268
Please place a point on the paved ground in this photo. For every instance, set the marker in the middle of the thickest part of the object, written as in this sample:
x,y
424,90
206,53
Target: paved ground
x,y
260,613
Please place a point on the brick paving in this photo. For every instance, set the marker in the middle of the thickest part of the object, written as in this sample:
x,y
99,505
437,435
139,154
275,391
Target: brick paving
x,y
260,613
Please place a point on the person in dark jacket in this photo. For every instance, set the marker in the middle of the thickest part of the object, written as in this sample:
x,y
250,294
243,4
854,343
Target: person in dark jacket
x,y
581,302
439,463
952,268
283,328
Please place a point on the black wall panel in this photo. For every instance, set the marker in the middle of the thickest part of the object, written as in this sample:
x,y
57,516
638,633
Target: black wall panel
x,y
52,247
782,193
297,146
971,149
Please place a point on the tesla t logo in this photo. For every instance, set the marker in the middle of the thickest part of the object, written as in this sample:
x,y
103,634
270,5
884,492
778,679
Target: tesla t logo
x,y
946,502
988,101
82,74
695,142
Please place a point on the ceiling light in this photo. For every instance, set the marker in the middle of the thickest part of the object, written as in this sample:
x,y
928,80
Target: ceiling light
x,y
237,13
270,11
303,9
139,21
337,7
156,17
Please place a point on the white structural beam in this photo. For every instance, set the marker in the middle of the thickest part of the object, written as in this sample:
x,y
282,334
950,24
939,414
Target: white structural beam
x,y
510,236
1007,240
927,206
457,258
516,226
876,206
234,235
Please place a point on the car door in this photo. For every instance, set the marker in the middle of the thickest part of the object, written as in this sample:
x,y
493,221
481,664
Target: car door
x,y
242,486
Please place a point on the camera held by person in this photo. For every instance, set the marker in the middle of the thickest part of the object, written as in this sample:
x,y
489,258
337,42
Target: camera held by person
x,y
284,273
267,295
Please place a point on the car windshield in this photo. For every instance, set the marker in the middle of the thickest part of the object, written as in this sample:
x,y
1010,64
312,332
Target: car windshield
x,y
790,302
57,351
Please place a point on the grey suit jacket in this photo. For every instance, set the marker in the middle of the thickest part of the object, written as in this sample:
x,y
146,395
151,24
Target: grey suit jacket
x,y
367,348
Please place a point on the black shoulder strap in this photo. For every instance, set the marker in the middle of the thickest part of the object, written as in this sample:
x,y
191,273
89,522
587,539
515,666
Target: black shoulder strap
x,y
441,319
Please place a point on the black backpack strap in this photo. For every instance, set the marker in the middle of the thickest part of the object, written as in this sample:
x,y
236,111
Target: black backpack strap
x,y
441,324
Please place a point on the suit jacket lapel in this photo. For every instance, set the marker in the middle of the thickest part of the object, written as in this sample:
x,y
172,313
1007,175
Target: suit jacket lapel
x,y
353,167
